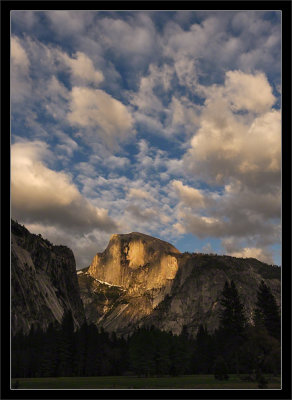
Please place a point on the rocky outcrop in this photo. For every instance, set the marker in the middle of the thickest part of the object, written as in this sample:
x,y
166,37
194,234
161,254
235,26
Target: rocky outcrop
x,y
140,280
125,282
43,282
135,261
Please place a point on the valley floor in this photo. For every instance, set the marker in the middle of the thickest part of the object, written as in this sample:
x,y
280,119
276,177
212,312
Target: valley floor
x,y
132,382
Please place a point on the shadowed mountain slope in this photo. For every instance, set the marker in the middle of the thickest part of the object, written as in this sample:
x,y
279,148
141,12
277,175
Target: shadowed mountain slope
x,y
43,282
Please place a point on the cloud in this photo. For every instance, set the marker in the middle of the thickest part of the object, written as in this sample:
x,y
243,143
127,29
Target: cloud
x,y
114,162
235,249
145,99
25,19
184,115
248,92
237,197
94,108
236,212
143,215
144,218
263,255
20,68
248,41
82,69
135,38
229,145
18,54
42,195
67,145
159,106
194,83
139,194
54,97
238,225
67,23
185,68
189,196
246,221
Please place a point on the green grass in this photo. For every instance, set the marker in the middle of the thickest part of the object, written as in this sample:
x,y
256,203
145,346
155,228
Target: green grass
x,y
126,382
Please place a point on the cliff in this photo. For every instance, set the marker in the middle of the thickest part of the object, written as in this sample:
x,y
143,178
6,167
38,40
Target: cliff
x,y
43,282
126,281
140,280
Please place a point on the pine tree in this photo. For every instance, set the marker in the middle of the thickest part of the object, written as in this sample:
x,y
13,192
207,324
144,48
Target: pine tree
x,y
267,311
180,354
232,326
162,352
80,356
203,357
142,352
232,317
94,358
49,354
66,346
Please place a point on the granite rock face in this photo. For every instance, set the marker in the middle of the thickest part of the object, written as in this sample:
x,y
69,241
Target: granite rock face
x,y
135,261
43,282
125,282
140,280
194,297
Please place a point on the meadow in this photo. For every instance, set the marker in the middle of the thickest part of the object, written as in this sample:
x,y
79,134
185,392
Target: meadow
x,y
135,382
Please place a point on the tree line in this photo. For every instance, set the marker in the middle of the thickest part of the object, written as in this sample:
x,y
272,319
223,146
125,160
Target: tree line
x,y
237,346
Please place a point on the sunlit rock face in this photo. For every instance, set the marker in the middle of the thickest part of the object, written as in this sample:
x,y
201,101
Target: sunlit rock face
x,y
136,262
142,281
43,282
134,273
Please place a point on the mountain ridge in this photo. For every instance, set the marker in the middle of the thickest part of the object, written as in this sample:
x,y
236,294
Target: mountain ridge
x,y
138,280
177,288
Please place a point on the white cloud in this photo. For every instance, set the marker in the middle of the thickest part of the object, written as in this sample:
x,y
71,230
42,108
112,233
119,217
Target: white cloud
x,y
230,145
18,54
25,19
82,69
40,194
188,195
67,23
20,67
67,145
147,101
252,44
139,194
239,225
235,249
185,68
135,38
94,108
236,133
114,162
185,115
250,92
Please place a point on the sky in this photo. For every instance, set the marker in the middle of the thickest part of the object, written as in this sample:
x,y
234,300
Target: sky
x,y
165,123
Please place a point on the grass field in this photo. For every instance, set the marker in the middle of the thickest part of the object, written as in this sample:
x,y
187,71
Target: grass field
x,y
126,382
